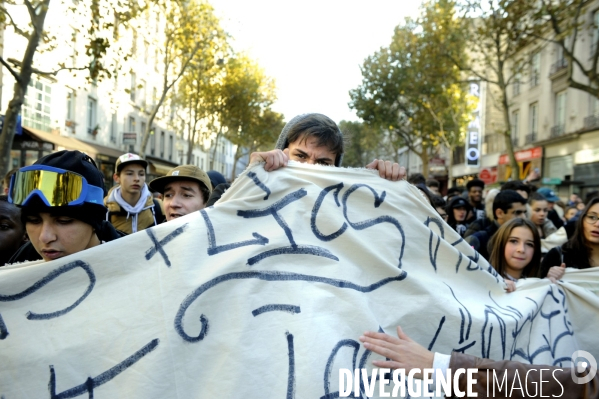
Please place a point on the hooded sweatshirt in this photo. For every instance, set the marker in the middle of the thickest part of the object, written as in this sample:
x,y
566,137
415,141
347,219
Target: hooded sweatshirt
x,y
130,219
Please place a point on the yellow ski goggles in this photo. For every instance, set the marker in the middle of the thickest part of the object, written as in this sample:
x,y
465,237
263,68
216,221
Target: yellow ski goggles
x,y
55,187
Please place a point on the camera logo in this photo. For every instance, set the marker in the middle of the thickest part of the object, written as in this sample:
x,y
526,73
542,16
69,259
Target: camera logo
x,y
582,361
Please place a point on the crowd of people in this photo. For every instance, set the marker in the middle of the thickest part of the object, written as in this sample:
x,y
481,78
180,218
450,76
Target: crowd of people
x,y
59,206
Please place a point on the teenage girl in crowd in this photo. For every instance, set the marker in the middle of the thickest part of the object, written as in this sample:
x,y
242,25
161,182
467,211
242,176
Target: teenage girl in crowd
x,y
516,251
457,211
581,251
539,209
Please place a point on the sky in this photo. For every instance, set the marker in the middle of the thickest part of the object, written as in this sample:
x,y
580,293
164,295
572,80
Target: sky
x,y
313,48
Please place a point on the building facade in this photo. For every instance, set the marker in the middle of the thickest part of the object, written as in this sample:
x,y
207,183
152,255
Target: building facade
x,y
104,118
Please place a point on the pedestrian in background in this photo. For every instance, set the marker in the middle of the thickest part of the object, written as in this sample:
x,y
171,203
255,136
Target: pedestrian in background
x,y
131,206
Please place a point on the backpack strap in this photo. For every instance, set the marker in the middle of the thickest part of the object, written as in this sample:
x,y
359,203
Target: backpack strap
x,y
158,212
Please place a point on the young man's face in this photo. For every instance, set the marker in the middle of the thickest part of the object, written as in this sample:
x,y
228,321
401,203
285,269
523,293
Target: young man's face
x,y
517,210
12,231
475,194
181,198
55,236
306,150
131,178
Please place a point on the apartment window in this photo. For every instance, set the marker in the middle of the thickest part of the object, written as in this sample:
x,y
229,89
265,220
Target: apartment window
x,y
156,59
170,147
146,51
70,105
202,163
91,115
134,42
533,123
516,85
515,127
142,93
560,108
594,106
153,141
595,33
157,26
132,125
113,128
115,28
535,69
162,144
36,107
74,49
154,97
133,88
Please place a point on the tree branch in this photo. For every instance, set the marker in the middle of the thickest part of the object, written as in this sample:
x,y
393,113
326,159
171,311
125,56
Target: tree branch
x,y
15,26
12,71
30,9
53,73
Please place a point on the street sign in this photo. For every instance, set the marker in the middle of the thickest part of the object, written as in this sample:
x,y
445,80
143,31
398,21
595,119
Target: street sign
x,y
551,181
488,176
474,129
129,138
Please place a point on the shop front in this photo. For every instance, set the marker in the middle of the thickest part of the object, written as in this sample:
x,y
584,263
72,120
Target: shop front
x,y
528,160
158,167
27,148
105,157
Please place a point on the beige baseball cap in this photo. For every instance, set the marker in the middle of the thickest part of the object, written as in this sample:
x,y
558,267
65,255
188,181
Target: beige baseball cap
x,y
183,172
129,158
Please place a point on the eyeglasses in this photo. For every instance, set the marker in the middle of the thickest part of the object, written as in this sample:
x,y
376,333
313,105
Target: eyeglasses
x,y
591,219
55,187
519,212
443,215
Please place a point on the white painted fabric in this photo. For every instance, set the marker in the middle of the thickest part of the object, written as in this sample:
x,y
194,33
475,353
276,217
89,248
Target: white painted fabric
x,y
266,294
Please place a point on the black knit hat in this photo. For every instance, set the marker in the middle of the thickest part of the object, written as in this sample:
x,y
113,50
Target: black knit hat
x,y
458,202
75,161
82,164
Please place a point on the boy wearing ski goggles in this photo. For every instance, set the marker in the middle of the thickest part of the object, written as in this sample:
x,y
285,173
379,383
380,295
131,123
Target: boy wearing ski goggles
x,y
61,203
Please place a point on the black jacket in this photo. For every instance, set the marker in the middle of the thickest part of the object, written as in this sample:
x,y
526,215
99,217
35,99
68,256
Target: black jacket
x,y
554,258
481,240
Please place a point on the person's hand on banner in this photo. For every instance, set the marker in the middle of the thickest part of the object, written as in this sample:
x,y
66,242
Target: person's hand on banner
x,y
510,286
274,159
556,273
388,170
403,351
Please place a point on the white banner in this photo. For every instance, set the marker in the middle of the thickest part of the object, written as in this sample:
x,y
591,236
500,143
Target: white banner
x,y
265,296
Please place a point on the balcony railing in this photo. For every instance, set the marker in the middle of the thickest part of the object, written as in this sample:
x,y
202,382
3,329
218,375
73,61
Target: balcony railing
x,y
557,131
591,121
530,138
558,66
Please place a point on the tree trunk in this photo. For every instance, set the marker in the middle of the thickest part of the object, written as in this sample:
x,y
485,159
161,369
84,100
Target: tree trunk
x,y
20,88
236,158
508,125
450,166
146,134
424,156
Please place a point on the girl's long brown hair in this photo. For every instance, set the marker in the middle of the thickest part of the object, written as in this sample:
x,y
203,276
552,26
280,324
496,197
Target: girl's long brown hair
x,y
500,239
